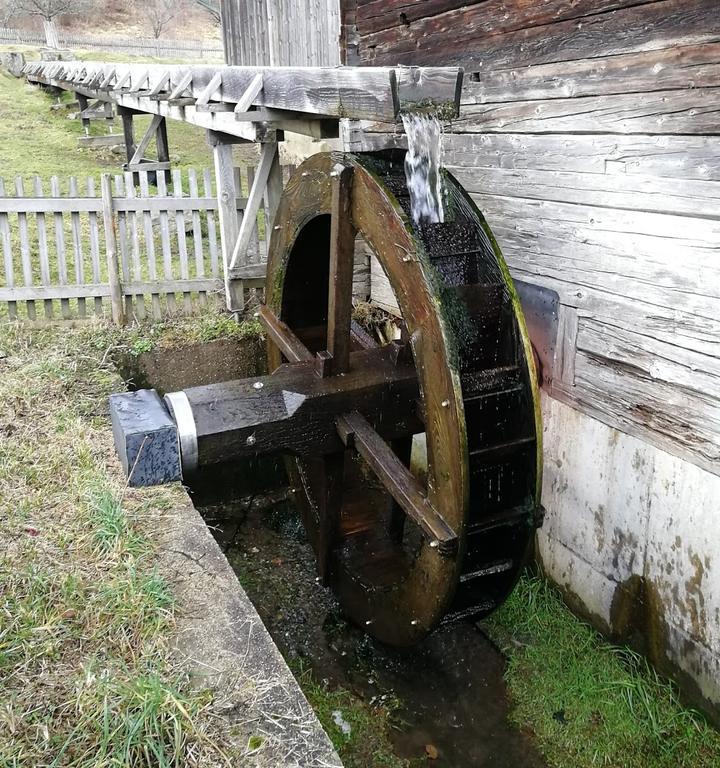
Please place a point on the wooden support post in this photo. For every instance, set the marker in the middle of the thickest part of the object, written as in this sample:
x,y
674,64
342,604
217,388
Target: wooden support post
x,y
273,193
342,248
227,194
83,102
116,292
128,131
163,148
329,507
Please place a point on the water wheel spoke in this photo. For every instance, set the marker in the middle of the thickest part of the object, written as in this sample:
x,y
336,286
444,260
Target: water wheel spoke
x,y
331,470
402,448
292,349
342,248
399,482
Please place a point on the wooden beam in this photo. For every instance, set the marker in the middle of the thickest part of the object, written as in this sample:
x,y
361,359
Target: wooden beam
x,y
227,194
111,251
146,139
267,158
248,98
342,248
210,89
282,336
356,432
372,93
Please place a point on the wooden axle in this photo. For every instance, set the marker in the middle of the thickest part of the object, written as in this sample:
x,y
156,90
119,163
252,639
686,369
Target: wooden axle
x,y
294,409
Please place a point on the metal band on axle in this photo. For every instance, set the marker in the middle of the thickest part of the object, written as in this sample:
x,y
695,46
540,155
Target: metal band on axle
x,y
181,411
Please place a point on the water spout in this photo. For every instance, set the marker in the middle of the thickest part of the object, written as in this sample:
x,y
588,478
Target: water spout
x,y
422,167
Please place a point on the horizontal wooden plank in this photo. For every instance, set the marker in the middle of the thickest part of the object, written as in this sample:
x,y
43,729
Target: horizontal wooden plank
x,y
676,157
485,18
130,288
640,27
669,269
28,293
653,359
695,66
107,140
49,204
695,111
186,285
608,190
619,394
86,204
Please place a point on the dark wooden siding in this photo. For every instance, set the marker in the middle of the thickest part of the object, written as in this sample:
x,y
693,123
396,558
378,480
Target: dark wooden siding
x,y
590,137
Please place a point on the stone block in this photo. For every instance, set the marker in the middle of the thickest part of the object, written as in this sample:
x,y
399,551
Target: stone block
x,y
146,438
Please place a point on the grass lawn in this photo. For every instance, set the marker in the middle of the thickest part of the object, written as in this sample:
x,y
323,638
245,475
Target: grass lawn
x,y
589,703
87,677
38,140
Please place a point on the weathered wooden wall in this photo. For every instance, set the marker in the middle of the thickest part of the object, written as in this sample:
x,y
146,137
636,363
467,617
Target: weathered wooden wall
x,y
281,32
590,137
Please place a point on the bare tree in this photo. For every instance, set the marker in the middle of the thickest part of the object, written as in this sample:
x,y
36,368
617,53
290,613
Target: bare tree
x,y
160,13
212,7
49,10
8,10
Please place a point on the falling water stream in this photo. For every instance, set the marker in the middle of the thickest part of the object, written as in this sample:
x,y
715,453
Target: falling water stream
x,y
422,167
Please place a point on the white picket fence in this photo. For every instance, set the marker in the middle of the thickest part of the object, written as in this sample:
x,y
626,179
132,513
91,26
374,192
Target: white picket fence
x,y
71,247
136,46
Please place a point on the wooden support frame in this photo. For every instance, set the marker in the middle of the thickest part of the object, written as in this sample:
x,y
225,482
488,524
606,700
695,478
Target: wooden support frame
x,y
251,104
268,159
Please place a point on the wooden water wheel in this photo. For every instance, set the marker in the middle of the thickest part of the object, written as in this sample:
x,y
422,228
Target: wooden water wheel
x,y
404,550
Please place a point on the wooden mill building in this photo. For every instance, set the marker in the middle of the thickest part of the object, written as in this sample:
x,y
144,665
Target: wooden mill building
x,y
589,136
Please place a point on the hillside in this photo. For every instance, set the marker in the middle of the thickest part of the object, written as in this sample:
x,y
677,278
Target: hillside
x,y
129,19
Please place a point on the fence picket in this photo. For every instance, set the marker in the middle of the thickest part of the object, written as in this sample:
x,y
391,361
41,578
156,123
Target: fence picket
x,y
59,223
212,230
77,248
136,260
43,254
121,218
7,255
150,245
197,234
165,243
95,247
181,239
25,249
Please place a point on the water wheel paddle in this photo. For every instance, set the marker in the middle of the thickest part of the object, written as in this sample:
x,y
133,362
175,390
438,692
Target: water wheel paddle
x,y
405,551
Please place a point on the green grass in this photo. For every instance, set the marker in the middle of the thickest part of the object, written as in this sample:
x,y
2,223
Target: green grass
x,y
368,740
587,702
87,675
39,141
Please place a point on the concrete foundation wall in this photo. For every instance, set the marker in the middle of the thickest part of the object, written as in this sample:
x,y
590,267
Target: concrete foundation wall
x,y
631,536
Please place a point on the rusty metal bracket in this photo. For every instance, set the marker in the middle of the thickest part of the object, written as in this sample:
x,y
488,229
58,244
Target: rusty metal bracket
x,y
540,307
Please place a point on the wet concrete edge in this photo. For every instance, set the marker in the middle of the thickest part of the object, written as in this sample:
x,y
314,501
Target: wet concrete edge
x,y
226,648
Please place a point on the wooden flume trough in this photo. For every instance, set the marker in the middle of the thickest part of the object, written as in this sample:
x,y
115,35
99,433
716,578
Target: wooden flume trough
x,y
257,104
403,545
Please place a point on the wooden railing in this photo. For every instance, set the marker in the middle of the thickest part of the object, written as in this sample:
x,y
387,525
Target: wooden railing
x,y
132,245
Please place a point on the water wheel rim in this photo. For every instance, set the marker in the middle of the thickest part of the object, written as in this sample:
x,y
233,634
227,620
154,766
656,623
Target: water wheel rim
x,y
402,611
